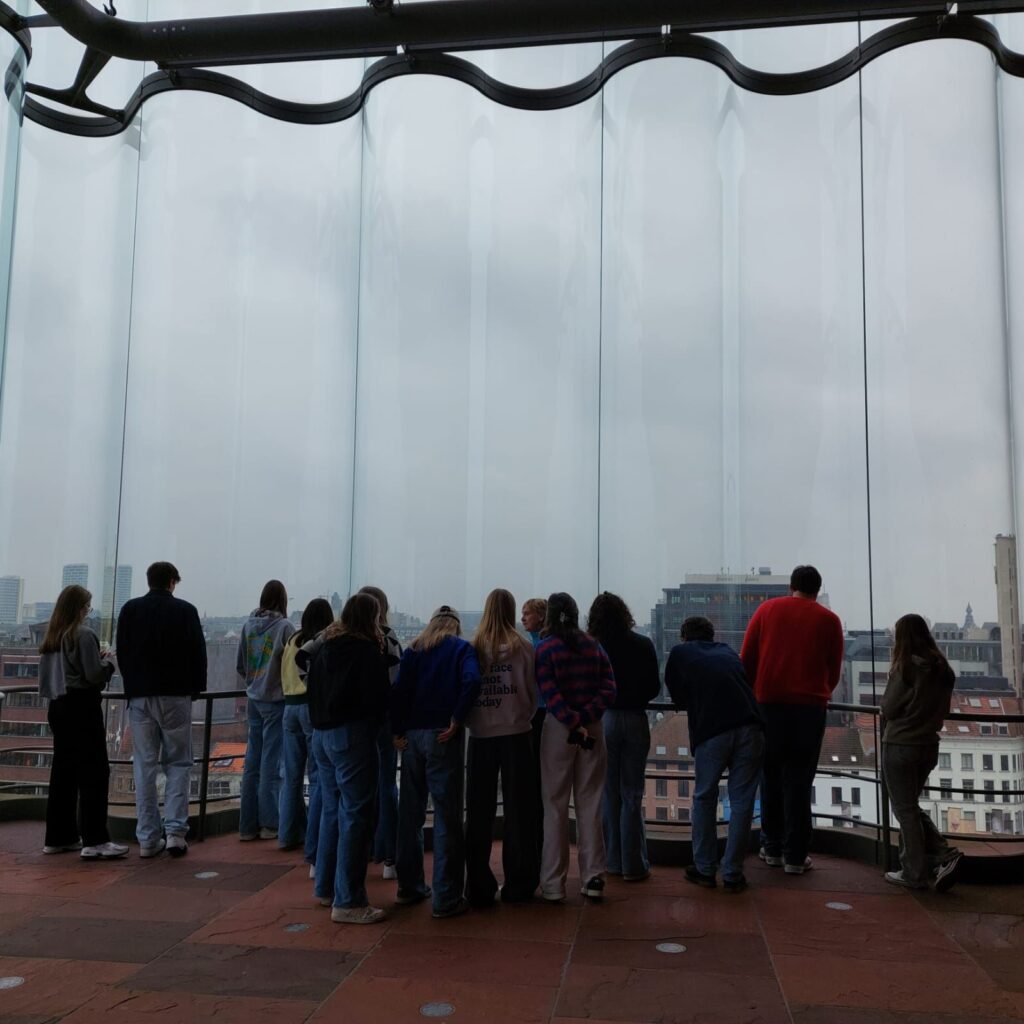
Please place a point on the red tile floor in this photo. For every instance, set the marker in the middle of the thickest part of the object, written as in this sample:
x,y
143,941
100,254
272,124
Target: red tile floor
x,y
245,944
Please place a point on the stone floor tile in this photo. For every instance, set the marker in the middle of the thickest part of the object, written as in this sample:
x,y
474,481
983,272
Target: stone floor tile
x,y
888,985
715,953
535,921
845,1015
982,931
308,974
376,1000
127,901
69,878
87,938
125,1006
876,927
448,957
243,876
691,912
53,987
669,997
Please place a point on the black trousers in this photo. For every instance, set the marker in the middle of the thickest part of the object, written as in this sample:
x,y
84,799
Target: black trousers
x,y
76,805
793,735
511,757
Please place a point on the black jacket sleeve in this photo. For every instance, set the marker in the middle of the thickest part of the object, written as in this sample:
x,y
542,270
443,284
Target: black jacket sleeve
x,y
197,644
650,678
675,679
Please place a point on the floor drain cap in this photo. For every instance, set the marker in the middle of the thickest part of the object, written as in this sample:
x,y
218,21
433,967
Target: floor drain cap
x,y
12,981
436,1010
296,927
207,874
839,906
670,947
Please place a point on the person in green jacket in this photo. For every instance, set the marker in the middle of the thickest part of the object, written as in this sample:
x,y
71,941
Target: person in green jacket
x,y
914,706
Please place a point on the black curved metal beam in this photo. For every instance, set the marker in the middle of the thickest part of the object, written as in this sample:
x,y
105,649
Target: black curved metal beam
x,y
363,31
916,30
14,25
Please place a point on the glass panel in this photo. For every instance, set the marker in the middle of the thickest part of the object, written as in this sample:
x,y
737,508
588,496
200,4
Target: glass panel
x,y
478,350
941,477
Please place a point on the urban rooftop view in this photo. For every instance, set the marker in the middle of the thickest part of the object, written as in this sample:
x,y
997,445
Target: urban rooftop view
x,y
489,332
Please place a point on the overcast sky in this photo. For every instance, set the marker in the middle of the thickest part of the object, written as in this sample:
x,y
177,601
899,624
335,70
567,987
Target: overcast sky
x,y
448,346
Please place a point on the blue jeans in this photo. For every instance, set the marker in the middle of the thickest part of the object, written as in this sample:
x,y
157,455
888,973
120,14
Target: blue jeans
x,y
326,858
261,773
349,780
627,737
742,752
385,837
433,768
298,828
161,738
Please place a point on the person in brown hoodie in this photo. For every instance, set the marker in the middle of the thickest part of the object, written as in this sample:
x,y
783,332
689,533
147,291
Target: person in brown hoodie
x,y
915,703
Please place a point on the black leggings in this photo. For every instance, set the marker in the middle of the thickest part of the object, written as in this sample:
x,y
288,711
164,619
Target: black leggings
x,y
76,807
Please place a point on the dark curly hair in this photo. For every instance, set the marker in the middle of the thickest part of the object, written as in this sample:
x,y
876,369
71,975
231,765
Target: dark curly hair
x,y
609,616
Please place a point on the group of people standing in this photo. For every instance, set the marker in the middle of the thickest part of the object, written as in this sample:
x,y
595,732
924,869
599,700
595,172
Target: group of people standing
x,y
557,717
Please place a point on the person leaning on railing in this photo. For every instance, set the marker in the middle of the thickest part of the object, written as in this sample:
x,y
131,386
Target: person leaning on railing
x,y
72,675
915,703
161,652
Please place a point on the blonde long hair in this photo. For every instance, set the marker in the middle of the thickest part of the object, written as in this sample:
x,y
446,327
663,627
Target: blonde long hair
x,y
497,627
443,623
67,617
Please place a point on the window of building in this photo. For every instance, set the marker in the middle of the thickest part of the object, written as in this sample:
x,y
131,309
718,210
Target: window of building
x,y
661,813
814,794
661,787
990,797
21,671
837,795
945,761
855,796
966,762
1006,795
969,818
962,728
1002,729
682,751
945,821
660,750
986,762
683,787
986,730
23,729
945,789
993,703
684,815
1004,762
968,788
975,702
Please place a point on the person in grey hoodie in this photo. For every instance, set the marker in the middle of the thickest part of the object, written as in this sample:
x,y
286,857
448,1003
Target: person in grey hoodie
x,y
500,742
72,674
260,648
914,705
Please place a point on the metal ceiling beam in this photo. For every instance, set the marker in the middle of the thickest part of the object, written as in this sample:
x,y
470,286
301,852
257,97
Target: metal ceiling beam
x,y
369,31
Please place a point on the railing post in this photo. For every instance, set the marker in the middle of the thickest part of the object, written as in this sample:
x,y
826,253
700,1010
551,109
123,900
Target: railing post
x,y
204,773
886,828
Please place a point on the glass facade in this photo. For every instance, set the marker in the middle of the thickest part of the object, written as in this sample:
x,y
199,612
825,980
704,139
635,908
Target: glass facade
x,y
669,342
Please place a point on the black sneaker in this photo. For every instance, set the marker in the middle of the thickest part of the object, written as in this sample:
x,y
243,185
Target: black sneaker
x,y
594,889
407,897
945,877
734,885
454,910
699,878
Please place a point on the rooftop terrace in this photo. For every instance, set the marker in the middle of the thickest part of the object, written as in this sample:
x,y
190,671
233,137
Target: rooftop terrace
x,y
231,933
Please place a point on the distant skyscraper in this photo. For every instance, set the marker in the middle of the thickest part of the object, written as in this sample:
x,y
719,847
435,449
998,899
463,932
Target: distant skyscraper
x,y
121,586
1008,609
12,589
727,600
75,573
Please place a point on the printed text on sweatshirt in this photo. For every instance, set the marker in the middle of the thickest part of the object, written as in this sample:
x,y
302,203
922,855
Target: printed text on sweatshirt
x,y
507,700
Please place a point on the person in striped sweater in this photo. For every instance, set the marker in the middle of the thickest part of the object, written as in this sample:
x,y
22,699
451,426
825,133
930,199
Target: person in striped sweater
x,y
576,681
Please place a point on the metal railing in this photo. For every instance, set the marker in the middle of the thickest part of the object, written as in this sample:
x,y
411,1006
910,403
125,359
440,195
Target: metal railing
x,y
883,829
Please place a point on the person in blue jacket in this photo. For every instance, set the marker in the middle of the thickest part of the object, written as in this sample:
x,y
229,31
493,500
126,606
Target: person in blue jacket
x,y
437,686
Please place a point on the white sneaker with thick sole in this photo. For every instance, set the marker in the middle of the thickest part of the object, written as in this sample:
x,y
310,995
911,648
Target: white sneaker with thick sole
x,y
105,851
945,876
896,878
799,869
71,847
155,850
177,846
312,871
772,862
268,833
357,915
389,872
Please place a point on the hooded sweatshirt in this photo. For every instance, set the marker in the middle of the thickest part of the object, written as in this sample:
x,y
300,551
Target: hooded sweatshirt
x,y
259,654
914,709
347,682
507,700
78,665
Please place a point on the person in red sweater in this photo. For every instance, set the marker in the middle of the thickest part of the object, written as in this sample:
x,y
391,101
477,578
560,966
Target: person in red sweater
x,y
793,656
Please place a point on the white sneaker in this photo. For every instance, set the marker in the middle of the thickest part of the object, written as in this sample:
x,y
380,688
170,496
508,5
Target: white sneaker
x,y
357,915
153,851
312,871
896,878
76,845
268,833
799,869
177,846
105,851
772,862
389,872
